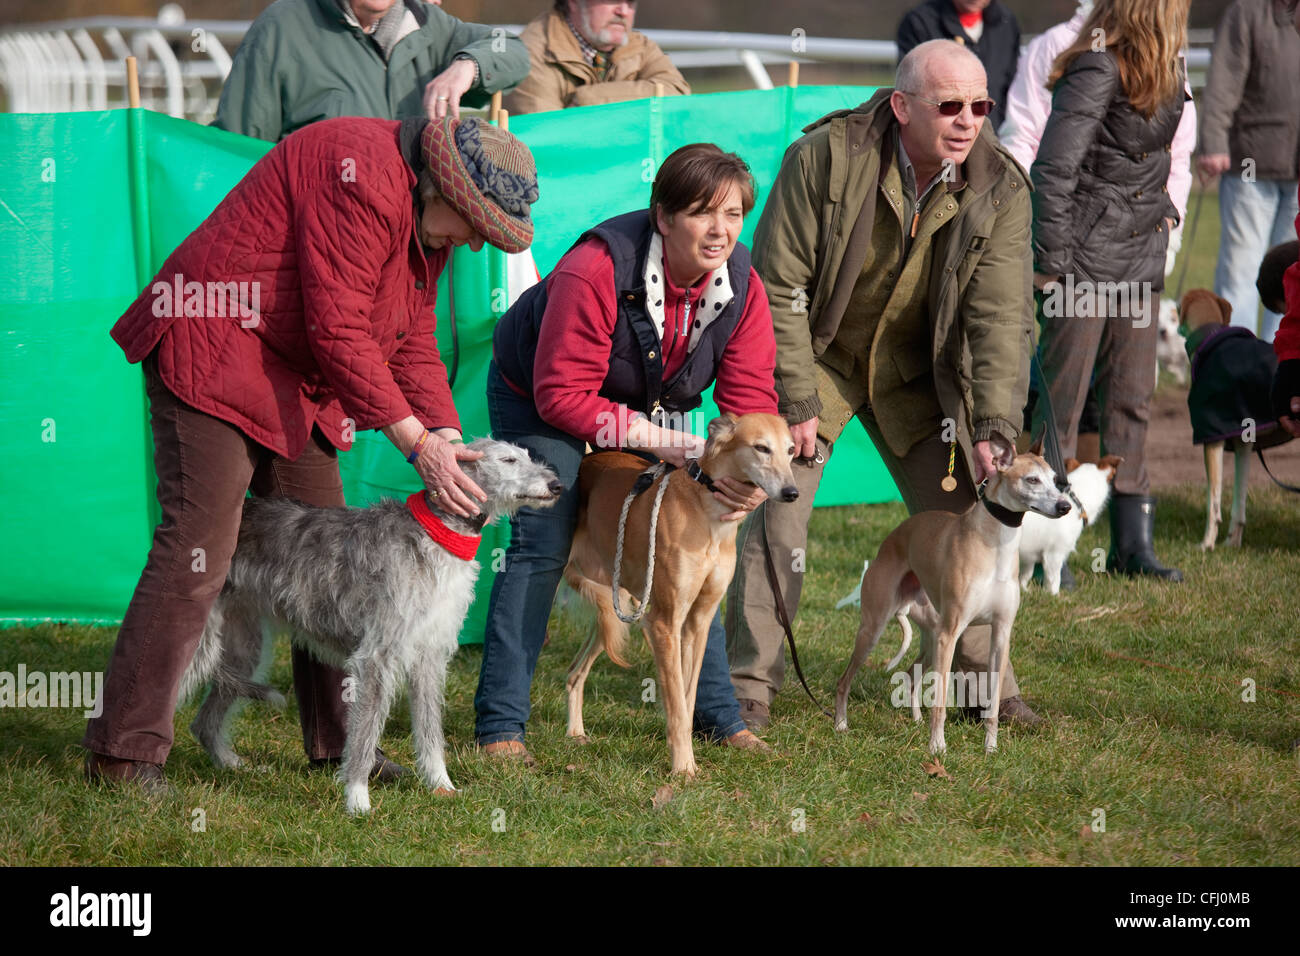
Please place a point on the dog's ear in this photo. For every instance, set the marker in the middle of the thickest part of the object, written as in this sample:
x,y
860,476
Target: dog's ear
x,y
1004,452
1226,307
1071,464
1037,447
722,428
1112,462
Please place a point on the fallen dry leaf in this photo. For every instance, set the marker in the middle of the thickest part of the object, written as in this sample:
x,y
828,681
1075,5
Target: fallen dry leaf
x,y
1086,833
920,796
935,769
867,819
662,796
570,767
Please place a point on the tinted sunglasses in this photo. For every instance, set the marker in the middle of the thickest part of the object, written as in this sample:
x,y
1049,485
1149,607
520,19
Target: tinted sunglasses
x,y
953,107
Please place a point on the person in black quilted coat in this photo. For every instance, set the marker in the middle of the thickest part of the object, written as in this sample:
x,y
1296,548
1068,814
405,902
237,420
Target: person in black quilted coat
x,y
986,27
1102,216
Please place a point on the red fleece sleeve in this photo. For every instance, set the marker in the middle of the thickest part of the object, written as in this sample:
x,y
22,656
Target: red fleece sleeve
x,y
1286,343
573,347
417,366
745,375
343,231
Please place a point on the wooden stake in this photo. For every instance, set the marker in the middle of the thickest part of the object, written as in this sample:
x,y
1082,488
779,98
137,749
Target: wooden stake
x,y
132,84
794,74
495,109
503,121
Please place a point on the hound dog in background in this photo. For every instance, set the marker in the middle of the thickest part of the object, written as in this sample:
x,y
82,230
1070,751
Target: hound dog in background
x,y
380,591
694,558
1232,372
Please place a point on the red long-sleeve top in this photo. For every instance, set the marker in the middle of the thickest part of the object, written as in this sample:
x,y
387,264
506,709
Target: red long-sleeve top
x,y
574,344
1286,343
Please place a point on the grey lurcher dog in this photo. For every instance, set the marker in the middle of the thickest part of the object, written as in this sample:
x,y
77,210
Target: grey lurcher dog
x,y
365,589
952,570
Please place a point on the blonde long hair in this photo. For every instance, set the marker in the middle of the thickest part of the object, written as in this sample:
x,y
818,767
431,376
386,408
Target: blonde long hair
x,y
1146,37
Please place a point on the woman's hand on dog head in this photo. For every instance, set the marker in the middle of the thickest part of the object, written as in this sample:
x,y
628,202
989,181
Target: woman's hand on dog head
x,y
438,469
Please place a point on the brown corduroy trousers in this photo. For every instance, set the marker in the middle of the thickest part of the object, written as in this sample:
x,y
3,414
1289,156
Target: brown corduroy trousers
x,y
204,467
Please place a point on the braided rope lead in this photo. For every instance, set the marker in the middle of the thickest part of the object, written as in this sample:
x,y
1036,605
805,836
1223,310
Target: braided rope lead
x,y
658,471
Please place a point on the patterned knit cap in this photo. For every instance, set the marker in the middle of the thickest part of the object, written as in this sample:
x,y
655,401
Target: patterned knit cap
x,y
486,175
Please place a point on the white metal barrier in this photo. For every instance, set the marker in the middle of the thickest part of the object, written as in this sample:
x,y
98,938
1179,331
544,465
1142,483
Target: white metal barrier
x,y
79,64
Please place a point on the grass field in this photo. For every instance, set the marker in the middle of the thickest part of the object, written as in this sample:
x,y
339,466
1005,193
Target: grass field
x,y
1185,770
1142,684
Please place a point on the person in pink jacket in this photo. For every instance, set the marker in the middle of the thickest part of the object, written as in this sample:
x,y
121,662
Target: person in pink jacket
x,y
1029,103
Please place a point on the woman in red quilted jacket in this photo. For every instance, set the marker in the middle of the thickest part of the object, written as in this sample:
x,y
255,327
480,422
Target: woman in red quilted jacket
x,y
298,312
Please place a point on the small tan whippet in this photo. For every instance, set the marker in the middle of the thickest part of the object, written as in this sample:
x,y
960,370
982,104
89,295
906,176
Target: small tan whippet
x,y
953,570
695,555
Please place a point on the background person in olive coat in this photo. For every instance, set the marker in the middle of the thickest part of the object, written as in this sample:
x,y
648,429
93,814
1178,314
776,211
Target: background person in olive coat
x,y
308,60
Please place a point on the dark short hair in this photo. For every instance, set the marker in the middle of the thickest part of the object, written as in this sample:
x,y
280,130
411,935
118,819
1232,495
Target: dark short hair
x,y
1269,282
692,176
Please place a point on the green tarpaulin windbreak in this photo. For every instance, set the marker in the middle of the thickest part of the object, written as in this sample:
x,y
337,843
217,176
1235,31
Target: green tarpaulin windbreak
x,y
91,205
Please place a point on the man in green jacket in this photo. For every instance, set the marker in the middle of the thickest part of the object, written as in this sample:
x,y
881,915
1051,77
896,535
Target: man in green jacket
x,y
308,60
895,248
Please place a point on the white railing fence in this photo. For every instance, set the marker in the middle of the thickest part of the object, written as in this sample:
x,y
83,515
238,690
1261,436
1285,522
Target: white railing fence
x,y
79,64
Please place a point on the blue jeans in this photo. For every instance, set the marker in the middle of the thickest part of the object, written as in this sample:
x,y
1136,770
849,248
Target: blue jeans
x,y
523,592
1256,217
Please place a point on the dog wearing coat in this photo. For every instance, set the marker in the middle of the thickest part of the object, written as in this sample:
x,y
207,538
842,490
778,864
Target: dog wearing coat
x,y
380,591
1050,541
1232,372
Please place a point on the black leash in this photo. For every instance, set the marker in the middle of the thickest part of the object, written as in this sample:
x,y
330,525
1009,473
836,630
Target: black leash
x,y
784,617
1280,484
1051,440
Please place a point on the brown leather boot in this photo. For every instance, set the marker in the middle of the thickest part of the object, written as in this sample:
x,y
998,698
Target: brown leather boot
x,y
511,750
1014,710
116,771
754,713
744,740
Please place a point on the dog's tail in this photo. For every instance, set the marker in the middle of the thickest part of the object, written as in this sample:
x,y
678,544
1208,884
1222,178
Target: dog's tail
x,y
611,631
230,649
906,625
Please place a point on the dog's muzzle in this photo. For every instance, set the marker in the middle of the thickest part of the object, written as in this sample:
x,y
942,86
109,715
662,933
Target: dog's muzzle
x,y
789,493
1062,507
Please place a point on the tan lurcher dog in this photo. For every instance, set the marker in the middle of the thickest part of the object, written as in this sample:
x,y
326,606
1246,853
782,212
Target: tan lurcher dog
x,y
969,565
695,555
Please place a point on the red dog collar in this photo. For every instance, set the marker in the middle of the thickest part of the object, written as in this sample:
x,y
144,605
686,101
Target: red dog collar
x,y
463,546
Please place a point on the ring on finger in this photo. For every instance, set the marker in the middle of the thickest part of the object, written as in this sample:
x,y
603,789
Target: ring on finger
x,y
435,494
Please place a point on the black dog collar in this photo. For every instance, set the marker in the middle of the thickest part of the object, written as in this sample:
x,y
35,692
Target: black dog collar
x,y
1012,519
698,474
